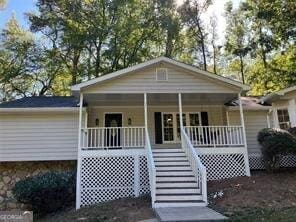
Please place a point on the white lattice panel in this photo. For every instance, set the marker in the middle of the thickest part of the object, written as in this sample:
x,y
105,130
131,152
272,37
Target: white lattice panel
x,y
144,176
112,177
257,162
222,166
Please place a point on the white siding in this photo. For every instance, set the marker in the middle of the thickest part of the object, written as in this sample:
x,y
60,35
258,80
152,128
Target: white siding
x,y
46,136
215,115
254,122
179,80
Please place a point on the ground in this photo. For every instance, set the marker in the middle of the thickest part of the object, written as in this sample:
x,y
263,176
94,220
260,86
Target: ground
x,y
261,197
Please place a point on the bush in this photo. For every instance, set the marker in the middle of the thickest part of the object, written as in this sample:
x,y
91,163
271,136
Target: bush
x,y
292,131
275,143
47,192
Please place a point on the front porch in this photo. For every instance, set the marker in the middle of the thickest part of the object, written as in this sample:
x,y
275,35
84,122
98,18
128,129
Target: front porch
x,y
122,139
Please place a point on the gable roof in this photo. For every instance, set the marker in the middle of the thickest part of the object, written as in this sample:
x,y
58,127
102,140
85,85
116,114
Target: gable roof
x,y
125,71
273,96
42,101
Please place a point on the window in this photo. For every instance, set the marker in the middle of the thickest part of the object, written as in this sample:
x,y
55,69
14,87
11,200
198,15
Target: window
x,y
283,118
161,74
168,127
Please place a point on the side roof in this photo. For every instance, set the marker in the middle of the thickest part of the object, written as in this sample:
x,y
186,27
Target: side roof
x,y
42,101
125,71
248,103
273,96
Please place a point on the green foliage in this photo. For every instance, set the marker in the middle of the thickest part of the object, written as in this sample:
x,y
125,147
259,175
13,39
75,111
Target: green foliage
x,y
274,143
47,192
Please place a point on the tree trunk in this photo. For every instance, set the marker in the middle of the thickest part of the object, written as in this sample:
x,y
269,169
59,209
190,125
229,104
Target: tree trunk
x,y
203,48
242,68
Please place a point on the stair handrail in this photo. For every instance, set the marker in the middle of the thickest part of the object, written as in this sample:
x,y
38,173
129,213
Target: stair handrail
x,y
198,168
151,167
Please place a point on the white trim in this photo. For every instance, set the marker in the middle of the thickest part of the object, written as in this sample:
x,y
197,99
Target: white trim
x,y
236,108
222,79
246,158
40,109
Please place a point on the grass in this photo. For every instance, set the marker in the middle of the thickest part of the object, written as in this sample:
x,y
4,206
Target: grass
x,y
263,214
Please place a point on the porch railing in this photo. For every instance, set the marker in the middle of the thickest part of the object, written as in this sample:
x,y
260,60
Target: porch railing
x,y
196,164
215,136
112,137
151,167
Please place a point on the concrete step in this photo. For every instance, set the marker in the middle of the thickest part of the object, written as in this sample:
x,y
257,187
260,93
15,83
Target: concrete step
x,y
178,197
175,178
190,213
178,190
163,204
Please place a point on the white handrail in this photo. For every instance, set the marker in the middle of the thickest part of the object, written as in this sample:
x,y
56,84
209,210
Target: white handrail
x,y
151,167
198,168
112,137
215,136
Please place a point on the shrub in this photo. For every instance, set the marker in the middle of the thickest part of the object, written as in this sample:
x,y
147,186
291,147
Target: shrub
x,y
274,143
292,131
47,192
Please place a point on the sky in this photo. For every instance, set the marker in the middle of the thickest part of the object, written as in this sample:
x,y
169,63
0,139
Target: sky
x,y
19,7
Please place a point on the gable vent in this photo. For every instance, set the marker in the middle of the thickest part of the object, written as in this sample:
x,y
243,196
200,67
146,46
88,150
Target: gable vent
x,y
161,74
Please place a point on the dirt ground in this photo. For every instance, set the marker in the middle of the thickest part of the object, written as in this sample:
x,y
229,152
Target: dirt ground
x,y
261,197
261,190
124,210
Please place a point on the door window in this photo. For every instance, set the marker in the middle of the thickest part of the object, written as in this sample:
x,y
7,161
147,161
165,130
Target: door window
x,y
168,127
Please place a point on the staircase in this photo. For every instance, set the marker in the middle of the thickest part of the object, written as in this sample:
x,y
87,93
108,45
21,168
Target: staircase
x,y
176,184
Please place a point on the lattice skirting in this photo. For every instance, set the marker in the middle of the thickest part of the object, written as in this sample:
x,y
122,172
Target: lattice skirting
x,y
112,177
257,162
223,166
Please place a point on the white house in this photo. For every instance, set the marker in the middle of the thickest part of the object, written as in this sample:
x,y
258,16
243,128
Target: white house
x,y
162,127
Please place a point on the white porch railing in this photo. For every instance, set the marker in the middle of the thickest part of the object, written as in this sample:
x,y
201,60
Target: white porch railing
x,y
215,136
151,168
112,137
196,164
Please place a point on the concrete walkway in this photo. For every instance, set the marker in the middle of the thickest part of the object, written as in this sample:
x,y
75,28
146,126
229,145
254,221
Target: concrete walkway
x,y
170,214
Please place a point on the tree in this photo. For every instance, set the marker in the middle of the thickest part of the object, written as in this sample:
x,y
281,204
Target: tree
x,y
2,4
213,35
191,14
237,36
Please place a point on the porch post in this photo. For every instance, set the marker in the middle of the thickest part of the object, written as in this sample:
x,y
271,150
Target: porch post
x,y
145,111
78,177
246,156
180,110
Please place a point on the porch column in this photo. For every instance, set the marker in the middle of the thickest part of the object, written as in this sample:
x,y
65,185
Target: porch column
x,y
180,110
292,112
78,177
246,156
145,111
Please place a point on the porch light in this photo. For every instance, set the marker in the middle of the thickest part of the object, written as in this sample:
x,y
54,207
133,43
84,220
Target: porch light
x,y
97,122
129,121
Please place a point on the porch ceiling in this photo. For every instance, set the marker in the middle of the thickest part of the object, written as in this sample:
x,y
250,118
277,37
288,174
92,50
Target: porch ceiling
x,y
157,99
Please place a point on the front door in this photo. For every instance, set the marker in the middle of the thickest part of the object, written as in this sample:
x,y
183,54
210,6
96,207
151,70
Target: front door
x,y
112,133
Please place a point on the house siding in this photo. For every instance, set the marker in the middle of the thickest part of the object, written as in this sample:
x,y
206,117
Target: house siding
x,y
179,80
46,136
254,122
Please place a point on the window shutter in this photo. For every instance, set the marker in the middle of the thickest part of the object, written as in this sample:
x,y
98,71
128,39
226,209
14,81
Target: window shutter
x,y
204,119
158,128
